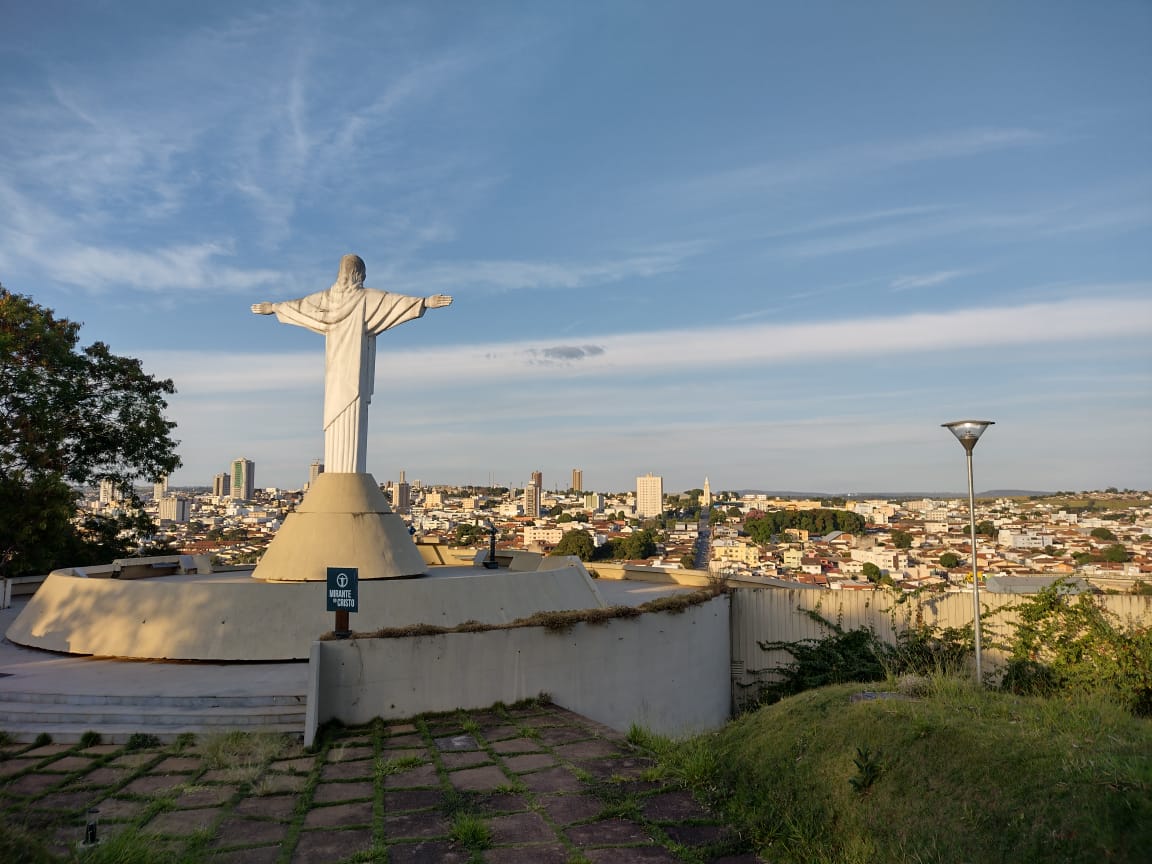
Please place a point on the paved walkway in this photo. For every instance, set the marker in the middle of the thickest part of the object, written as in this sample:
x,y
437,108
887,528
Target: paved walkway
x,y
528,783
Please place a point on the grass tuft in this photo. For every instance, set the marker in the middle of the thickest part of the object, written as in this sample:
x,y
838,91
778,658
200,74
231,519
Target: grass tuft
x,y
471,832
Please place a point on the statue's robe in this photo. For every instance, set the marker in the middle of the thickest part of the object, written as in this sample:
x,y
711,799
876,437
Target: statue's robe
x,y
350,321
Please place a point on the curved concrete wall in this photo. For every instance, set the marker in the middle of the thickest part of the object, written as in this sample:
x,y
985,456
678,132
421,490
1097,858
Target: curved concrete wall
x,y
669,673
235,617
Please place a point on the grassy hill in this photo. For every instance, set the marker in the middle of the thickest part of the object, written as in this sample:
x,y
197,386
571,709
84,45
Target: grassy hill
x,y
957,774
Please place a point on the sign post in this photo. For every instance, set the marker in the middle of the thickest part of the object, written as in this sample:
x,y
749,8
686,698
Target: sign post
x,y
343,596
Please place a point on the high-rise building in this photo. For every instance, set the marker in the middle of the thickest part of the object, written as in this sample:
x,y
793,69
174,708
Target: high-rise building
x,y
649,496
402,495
109,493
221,485
594,501
243,479
706,498
159,490
577,480
314,471
175,509
532,499
538,479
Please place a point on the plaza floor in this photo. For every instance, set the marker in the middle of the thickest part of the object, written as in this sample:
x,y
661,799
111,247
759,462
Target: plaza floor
x,y
526,783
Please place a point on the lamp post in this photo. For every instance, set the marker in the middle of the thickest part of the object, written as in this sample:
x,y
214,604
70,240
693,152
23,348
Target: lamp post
x,y
968,432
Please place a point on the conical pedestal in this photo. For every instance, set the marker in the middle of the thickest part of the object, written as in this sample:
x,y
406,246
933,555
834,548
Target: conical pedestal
x,y
343,521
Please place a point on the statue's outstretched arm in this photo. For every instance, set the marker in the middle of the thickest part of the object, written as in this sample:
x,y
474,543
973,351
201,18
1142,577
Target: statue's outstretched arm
x,y
436,301
263,308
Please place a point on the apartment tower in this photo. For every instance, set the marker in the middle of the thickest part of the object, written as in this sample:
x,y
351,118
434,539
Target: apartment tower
x,y
243,479
649,496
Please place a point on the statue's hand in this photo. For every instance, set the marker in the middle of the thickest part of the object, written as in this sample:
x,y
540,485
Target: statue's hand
x,y
262,308
436,301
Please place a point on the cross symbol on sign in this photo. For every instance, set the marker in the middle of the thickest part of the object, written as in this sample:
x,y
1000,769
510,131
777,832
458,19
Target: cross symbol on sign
x,y
342,580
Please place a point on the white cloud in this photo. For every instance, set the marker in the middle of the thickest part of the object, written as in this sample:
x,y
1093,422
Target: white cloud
x,y
926,280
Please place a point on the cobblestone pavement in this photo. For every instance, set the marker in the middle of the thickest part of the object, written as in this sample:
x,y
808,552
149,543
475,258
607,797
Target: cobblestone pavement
x,y
530,783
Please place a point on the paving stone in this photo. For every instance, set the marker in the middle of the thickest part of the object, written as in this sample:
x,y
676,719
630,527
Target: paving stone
x,y
516,745
462,760
178,764
235,831
47,750
401,729
69,764
746,858
501,731
674,807
552,853
259,855
100,749
294,766
552,780
404,753
403,741
33,784
339,815
566,809
275,784
67,801
205,796
183,822
15,766
503,802
428,852
268,807
412,799
324,847
103,776
224,775
609,832
697,835
563,735
478,779
341,753
529,762
456,743
118,809
518,828
626,767
422,825
133,760
630,855
364,769
587,749
329,792
424,775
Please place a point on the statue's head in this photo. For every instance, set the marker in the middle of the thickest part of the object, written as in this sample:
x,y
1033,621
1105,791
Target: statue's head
x,y
352,272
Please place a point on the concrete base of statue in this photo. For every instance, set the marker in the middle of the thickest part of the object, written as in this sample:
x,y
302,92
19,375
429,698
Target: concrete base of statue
x,y
343,521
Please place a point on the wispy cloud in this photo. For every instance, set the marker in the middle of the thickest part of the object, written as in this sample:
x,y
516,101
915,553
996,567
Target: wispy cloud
x,y
926,280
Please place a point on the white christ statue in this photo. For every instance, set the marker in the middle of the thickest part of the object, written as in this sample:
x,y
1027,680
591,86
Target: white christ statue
x,y
350,316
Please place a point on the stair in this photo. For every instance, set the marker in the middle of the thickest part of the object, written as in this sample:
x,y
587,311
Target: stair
x,y
66,717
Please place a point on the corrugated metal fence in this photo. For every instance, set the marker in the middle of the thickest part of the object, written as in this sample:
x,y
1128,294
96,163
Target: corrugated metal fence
x,y
791,615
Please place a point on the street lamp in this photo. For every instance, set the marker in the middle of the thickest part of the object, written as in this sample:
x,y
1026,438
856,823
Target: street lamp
x,y
968,432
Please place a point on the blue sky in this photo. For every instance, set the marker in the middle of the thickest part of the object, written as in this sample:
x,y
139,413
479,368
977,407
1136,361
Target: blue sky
x,y
776,244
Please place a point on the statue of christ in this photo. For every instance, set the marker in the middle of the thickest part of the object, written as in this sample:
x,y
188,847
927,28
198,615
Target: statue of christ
x,y
350,316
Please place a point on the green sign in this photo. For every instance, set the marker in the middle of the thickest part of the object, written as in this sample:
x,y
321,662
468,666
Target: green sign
x,y
343,590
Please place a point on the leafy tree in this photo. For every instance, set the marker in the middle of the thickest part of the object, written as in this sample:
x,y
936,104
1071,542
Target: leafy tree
x,y
871,572
986,528
71,417
820,521
555,510
901,539
734,512
688,560
468,534
577,542
716,516
1103,534
949,560
1116,554
563,518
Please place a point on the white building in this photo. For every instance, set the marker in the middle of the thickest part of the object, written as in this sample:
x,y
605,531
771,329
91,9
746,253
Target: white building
x,y
175,509
532,499
649,496
243,479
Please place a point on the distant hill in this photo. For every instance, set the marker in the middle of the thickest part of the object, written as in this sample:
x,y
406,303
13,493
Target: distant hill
x,y
991,493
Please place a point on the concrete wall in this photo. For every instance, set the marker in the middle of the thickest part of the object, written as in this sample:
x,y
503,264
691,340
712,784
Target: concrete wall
x,y
780,615
666,672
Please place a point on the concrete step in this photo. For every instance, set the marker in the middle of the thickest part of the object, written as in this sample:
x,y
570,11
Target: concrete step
x,y
25,715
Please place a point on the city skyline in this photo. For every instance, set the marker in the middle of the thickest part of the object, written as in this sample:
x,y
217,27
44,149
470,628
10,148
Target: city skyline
x,y
777,247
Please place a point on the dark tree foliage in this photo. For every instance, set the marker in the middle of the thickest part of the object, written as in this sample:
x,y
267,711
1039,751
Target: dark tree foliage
x,y
901,539
638,544
949,560
71,417
1102,534
820,521
579,543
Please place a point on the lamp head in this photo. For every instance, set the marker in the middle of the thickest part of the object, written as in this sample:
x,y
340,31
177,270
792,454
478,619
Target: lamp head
x,y
968,432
